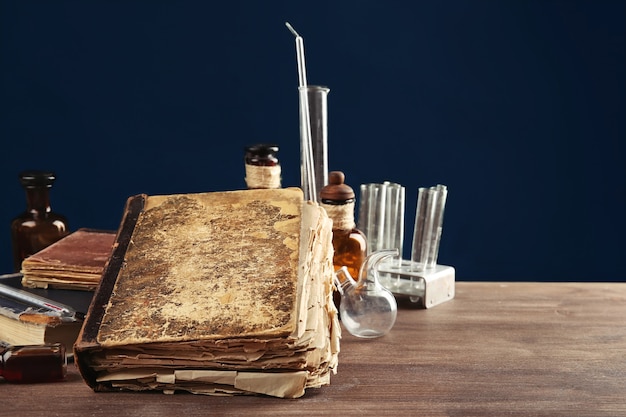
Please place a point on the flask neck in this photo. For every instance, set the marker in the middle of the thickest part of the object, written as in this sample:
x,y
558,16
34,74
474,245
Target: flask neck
x,y
343,280
38,200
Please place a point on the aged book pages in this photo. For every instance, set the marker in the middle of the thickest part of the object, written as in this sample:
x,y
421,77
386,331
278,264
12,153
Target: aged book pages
x,y
24,323
237,282
74,262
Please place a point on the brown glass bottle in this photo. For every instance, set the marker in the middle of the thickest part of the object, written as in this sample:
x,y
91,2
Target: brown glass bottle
x,y
26,364
349,243
262,167
38,226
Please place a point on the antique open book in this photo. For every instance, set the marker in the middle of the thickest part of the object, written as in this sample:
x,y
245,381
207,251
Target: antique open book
x,y
215,293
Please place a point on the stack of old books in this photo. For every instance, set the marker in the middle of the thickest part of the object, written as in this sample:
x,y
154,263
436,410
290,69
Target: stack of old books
x,y
75,262
215,293
41,305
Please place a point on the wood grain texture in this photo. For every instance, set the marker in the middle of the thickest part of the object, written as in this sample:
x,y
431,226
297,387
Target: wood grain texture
x,y
514,349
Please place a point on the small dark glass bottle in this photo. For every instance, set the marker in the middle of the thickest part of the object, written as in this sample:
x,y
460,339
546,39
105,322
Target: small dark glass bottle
x,y
262,166
349,243
38,226
26,364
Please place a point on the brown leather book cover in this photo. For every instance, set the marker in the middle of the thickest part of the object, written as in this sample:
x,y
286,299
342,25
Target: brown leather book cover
x,y
74,262
215,293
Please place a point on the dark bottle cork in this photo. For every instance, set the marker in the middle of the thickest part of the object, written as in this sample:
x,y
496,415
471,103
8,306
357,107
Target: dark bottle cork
x,y
337,192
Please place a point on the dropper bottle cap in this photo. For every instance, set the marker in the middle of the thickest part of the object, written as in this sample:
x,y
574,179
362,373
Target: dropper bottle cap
x,y
337,192
33,178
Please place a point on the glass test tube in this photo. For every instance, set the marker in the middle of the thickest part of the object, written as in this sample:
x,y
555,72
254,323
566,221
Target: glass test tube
x,y
442,194
369,222
428,226
307,170
394,219
381,216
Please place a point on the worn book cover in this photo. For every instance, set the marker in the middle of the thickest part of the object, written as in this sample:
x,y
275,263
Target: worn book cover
x,y
215,293
74,262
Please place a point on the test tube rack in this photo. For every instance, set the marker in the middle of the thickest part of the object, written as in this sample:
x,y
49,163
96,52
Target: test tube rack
x,y
422,279
427,287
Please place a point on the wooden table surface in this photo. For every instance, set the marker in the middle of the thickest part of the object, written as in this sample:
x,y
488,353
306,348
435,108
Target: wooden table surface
x,y
497,349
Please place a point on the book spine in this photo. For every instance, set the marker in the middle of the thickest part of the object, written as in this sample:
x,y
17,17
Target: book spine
x,y
133,209
87,339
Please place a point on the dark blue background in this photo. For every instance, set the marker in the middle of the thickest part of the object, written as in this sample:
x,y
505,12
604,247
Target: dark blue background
x,y
517,106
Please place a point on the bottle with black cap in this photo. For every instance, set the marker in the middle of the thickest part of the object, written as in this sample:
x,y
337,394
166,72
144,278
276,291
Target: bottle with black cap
x,y
262,167
38,226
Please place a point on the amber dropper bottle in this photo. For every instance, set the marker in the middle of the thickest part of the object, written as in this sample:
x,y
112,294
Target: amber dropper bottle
x,y
349,243
38,226
27,364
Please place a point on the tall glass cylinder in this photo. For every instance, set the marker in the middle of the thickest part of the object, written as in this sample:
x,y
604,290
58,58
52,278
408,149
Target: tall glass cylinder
x,y
318,119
